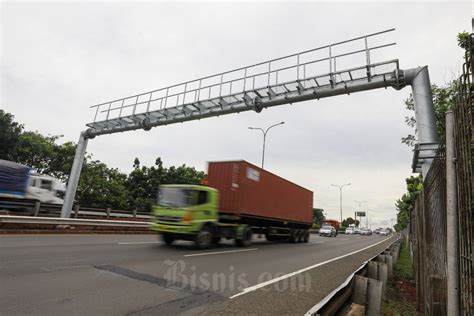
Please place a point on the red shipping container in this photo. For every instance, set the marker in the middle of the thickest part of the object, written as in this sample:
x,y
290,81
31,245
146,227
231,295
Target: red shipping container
x,y
247,190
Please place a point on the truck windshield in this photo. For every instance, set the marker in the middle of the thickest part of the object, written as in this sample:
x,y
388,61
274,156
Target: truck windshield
x,y
176,197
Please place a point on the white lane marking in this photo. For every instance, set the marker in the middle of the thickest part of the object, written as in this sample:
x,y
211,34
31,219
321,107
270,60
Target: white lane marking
x,y
260,285
219,252
139,242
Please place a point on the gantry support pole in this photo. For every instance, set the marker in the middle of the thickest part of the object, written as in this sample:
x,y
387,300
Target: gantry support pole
x,y
419,79
74,176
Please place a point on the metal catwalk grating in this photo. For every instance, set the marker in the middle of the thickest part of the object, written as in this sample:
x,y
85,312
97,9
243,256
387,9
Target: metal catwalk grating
x,y
306,75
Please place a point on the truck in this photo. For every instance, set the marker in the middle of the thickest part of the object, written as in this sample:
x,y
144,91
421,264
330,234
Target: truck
x,y
237,200
332,222
18,182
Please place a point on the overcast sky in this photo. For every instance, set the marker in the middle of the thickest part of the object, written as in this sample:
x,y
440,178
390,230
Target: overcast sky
x,y
58,59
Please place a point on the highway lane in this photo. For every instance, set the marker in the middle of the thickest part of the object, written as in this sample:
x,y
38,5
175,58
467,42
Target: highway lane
x,y
123,274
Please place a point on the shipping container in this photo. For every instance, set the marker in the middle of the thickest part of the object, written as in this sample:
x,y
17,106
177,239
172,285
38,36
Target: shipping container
x,y
249,191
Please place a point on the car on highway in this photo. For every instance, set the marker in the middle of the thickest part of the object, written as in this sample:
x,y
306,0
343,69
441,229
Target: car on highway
x,y
356,230
349,231
384,232
365,231
328,231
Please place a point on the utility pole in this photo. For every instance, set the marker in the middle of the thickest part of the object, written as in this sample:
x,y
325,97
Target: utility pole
x,y
340,195
265,137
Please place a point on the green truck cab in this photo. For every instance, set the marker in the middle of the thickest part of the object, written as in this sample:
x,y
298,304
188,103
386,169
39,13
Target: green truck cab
x,y
190,212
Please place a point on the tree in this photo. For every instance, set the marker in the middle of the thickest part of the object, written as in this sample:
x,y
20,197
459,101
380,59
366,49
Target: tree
x,y
10,132
102,187
404,205
350,221
142,183
463,40
318,215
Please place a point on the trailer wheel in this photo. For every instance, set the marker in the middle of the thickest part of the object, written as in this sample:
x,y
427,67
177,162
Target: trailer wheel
x,y
167,238
306,235
269,237
293,236
246,238
204,238
300,234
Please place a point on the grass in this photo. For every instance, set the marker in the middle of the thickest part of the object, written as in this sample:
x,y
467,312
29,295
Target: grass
x,y
400,286
403,269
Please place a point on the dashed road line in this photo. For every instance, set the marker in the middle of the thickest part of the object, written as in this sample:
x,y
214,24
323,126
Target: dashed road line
x,y
139,242
219,252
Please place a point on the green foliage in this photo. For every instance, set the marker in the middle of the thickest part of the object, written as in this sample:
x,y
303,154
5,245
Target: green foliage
x,y
463,40
443,100
43,154
100,186
318,215
10,132
403,268
349,221
405,204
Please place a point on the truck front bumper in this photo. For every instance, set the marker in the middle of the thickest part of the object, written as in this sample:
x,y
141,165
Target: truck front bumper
x,y
175,229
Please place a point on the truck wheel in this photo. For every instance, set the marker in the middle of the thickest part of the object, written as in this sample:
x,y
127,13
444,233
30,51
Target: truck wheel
x,y
167,238
269,237
246,239
300,234
306,235
203,239
293,236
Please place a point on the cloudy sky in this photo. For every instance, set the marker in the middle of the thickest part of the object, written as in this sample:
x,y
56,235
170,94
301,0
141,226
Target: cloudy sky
x,y
58,59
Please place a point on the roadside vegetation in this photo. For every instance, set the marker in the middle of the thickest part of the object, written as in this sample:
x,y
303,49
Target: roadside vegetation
x,y
401,291
99,186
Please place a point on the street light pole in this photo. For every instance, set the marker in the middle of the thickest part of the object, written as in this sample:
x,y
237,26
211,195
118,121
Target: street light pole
x,y
265,138
360,210
340,195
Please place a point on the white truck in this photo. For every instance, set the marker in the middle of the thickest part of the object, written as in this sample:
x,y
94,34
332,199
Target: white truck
x,y
17,181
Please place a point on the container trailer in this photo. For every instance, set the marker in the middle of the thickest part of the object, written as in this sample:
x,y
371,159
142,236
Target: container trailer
x,y
238,200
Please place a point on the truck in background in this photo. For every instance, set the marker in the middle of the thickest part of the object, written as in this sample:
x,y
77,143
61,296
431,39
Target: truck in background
x,y
18,182
239,199
332,222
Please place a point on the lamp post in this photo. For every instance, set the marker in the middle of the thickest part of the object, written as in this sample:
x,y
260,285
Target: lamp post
x,y
360,210
265,138
340,195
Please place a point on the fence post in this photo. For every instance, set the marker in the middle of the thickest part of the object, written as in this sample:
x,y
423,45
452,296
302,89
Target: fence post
x,y
37,208
134,213
452,228
76,211
107,210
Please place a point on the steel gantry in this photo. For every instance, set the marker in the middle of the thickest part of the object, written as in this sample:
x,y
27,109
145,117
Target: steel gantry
x,y
307,75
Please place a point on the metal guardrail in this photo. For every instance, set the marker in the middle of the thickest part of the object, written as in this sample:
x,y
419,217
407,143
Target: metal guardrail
x,y
69,221
336,300
36,208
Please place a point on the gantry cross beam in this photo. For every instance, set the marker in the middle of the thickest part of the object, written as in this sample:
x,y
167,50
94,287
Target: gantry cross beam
x,y
306,75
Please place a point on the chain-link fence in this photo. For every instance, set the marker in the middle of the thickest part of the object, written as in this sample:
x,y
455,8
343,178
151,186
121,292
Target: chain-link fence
x,y
428,233
428,217
464,144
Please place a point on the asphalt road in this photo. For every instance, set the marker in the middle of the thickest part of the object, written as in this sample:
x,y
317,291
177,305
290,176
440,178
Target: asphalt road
x,y
139,275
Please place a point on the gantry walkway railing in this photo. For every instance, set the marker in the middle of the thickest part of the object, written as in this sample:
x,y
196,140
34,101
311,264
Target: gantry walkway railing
x,y
312,74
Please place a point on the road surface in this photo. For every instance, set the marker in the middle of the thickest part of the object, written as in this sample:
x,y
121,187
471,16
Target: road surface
x,y
139,275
